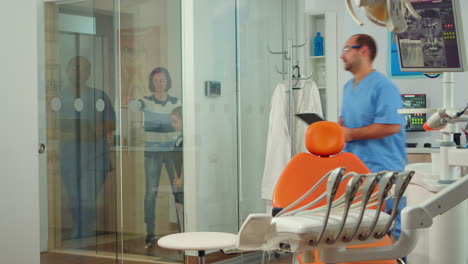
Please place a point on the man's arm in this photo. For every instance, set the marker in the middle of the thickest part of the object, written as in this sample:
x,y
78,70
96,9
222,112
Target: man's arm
x,y
374,131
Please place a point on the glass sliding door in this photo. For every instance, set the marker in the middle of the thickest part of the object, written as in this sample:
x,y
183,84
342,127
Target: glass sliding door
x,y
149,134
115,115
213,139
113,102
230,127
259,26
80,116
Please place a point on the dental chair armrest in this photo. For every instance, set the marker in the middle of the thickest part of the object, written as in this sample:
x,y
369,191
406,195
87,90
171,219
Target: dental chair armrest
x,y
421,216
252,233
405,244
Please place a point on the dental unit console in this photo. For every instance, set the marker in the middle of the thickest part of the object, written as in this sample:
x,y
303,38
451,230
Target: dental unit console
x,y
344,220
350,219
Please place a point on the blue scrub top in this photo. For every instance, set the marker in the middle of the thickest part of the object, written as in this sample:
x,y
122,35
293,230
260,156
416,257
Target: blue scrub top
x,y
375,99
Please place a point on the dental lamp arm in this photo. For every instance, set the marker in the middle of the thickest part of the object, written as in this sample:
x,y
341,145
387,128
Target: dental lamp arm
x,y
413,218
411,10
353,14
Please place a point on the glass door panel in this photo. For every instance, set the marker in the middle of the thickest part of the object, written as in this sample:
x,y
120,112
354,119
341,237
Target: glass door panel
x,y
149,133
81,120
259,26
215,116
104,173
114,110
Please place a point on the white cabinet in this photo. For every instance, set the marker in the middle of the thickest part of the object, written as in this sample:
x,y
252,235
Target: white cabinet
x,y
324,68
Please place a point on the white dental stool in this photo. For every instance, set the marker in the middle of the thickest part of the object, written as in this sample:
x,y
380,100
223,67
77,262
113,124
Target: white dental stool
x,y
198,241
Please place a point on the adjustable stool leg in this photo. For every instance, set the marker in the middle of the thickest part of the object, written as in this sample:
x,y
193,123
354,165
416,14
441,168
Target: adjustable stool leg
x,y
201,257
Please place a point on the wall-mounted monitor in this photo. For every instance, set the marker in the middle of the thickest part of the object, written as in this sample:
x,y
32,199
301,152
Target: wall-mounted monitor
x,y
434,43
414,122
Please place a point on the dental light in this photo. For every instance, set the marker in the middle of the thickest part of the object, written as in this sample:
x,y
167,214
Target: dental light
x,y
389,13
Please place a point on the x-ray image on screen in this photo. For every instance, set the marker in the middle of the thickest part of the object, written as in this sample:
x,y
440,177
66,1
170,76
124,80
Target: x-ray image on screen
x,y
432,43
434,53
431,22
411,53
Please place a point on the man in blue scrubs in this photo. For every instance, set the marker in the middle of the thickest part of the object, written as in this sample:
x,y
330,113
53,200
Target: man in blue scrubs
x,y
374,131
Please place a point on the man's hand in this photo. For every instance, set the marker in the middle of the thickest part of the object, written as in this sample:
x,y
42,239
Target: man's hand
x,y
373,131
346,130
347,133
341,121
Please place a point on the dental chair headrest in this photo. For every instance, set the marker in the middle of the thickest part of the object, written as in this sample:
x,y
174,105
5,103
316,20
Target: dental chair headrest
x,y
324,138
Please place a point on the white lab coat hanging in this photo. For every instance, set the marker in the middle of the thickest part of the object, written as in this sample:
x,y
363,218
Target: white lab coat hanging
x,y
278,151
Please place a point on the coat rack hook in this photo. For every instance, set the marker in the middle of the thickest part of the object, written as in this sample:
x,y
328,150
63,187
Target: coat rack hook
x,y
275,52
300,45
305,78
278,71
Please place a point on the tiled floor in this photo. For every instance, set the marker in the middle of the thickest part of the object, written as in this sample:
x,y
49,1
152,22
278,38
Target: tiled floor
x,y
64,258
60,258
80,251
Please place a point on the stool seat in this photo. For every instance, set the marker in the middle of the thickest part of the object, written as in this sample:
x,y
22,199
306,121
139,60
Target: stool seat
x,y
199,241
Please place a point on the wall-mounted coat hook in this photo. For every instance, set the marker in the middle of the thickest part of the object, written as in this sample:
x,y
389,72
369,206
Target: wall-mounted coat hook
x,y
275,52
305,78
286,55
278,71
300,45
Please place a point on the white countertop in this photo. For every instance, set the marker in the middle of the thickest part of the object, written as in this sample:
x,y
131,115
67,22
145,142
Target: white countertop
x,y
422,150
425,150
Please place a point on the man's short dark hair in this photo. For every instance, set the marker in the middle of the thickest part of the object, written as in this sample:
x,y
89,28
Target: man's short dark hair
x,y
366,40
166,74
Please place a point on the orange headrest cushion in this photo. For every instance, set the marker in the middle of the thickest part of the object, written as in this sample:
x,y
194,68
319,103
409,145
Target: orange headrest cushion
x,y
324,138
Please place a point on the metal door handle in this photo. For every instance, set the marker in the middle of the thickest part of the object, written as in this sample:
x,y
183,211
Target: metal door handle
x,y
42,148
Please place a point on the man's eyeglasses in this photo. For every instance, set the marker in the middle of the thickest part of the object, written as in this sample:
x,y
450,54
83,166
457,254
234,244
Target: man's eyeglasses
x,y
348,48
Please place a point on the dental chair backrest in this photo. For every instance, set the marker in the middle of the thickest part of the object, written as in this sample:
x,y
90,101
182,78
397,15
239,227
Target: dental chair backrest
x,y
325,141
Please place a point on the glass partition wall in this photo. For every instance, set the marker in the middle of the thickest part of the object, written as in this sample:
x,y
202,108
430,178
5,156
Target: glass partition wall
x,y
116,104
80,114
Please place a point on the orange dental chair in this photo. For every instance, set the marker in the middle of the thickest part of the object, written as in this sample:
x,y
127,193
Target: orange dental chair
x,y
324,140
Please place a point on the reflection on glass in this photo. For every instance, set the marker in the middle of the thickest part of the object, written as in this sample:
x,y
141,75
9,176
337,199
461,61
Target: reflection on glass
x,y
98,173
84,148
160,139
81,122
178,189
